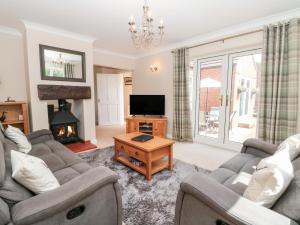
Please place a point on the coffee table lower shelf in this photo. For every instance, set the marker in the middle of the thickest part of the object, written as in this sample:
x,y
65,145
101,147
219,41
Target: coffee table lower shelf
x,y
156,166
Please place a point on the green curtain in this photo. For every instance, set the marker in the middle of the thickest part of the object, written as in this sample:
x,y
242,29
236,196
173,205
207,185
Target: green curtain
x,y
279,81
182,129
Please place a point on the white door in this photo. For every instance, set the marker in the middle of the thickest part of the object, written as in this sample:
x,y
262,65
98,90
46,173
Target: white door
x,y
210,99
110,99
243,97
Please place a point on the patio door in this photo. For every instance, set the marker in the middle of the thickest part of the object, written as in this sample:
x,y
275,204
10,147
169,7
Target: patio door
x,y
210,96
227,98
243,94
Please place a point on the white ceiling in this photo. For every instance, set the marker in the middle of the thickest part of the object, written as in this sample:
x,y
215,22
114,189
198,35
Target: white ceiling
x,y
106,20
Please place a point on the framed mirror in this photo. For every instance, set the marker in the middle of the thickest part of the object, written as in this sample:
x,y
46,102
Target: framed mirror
x,y
62,64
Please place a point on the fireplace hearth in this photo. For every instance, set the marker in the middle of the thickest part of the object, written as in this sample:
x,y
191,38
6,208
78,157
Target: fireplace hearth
x,y
63,124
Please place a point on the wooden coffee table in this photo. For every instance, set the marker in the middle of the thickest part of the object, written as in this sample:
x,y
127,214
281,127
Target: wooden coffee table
x,y
154,155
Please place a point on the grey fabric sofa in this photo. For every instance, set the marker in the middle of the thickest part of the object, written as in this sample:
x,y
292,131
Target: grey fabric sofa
x,y
87,196
216,198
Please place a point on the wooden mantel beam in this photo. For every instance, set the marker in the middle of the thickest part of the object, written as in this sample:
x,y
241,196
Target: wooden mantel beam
x,y
54,92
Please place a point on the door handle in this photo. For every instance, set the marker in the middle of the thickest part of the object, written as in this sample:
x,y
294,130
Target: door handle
x,y
227,100
221,100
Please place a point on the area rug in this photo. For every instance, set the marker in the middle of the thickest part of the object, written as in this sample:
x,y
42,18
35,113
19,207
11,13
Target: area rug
x,y
144,202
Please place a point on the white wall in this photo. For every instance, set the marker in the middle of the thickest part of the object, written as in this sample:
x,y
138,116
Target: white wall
x,y
12,69
83,109
146,82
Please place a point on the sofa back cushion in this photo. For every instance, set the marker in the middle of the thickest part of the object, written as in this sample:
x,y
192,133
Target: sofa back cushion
x,y
4,213
2,163
2,160
10,191
289,203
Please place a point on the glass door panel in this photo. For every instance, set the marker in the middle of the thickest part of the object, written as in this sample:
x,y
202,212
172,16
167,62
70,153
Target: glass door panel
x,y
210,91
243,92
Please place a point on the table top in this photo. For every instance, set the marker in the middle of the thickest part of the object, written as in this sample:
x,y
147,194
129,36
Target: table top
x,y
151,145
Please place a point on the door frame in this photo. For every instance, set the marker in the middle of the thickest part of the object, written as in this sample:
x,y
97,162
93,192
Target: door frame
x,y
227,73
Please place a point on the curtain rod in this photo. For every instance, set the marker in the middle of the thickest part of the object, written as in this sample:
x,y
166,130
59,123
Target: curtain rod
x,y
225,38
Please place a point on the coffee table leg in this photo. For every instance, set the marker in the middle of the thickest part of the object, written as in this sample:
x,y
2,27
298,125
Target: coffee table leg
x,y
171,157
149,167
116,152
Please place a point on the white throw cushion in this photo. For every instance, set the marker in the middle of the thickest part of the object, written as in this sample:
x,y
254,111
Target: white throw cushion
x,y
17,136
32,173
292,145
271,179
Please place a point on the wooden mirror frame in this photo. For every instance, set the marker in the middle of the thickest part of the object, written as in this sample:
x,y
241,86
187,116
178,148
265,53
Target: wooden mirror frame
x,y
42,64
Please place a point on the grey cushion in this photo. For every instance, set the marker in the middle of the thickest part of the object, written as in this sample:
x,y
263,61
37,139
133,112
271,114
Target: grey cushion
x,y
4,213
228,172
2,164
55,155
11,191
258,148
64,164
2,138
289,202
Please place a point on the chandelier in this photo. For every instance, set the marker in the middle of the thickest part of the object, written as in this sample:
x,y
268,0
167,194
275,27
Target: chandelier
x,y
144,35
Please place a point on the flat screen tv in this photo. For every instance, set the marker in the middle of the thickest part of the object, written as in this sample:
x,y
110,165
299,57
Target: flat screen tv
x,y
147,105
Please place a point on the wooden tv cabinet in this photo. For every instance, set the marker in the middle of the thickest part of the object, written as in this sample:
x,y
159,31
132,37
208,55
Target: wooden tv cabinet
x,y
153,125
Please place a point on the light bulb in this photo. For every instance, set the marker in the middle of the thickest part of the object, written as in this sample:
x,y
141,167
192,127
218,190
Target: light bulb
x,y
131,19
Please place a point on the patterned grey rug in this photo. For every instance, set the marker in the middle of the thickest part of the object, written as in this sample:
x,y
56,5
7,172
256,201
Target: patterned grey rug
x,y
145,203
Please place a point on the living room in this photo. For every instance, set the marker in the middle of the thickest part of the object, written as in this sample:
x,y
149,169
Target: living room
x,y
148,112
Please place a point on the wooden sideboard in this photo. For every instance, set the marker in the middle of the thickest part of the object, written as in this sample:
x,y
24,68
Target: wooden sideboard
x,y
16,115
152,125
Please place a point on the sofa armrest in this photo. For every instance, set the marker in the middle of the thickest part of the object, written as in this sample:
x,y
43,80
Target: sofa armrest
x,y
253,144
45,205
219,202
40,136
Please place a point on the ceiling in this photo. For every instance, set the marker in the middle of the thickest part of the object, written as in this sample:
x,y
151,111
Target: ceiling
x,y
106,20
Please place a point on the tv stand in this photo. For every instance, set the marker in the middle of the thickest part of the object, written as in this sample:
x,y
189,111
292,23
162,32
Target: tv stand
x,y
153,125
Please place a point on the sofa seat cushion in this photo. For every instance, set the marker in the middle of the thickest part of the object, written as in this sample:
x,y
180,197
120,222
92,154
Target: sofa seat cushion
x,y
64,164
55,155
69,173
236,172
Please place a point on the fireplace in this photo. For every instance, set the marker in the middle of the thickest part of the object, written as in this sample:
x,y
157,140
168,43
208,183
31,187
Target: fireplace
x,y
63,124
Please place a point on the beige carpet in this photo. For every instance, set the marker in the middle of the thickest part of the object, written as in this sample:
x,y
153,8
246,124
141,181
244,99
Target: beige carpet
x,y
105,135
204,156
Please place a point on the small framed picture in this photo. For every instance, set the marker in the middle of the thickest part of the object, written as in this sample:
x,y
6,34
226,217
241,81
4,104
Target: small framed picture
x,y
128,80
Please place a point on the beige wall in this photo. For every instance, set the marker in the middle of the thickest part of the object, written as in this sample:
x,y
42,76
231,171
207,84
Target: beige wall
x,y
146,82
83,109
12,69
160,83
114,61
